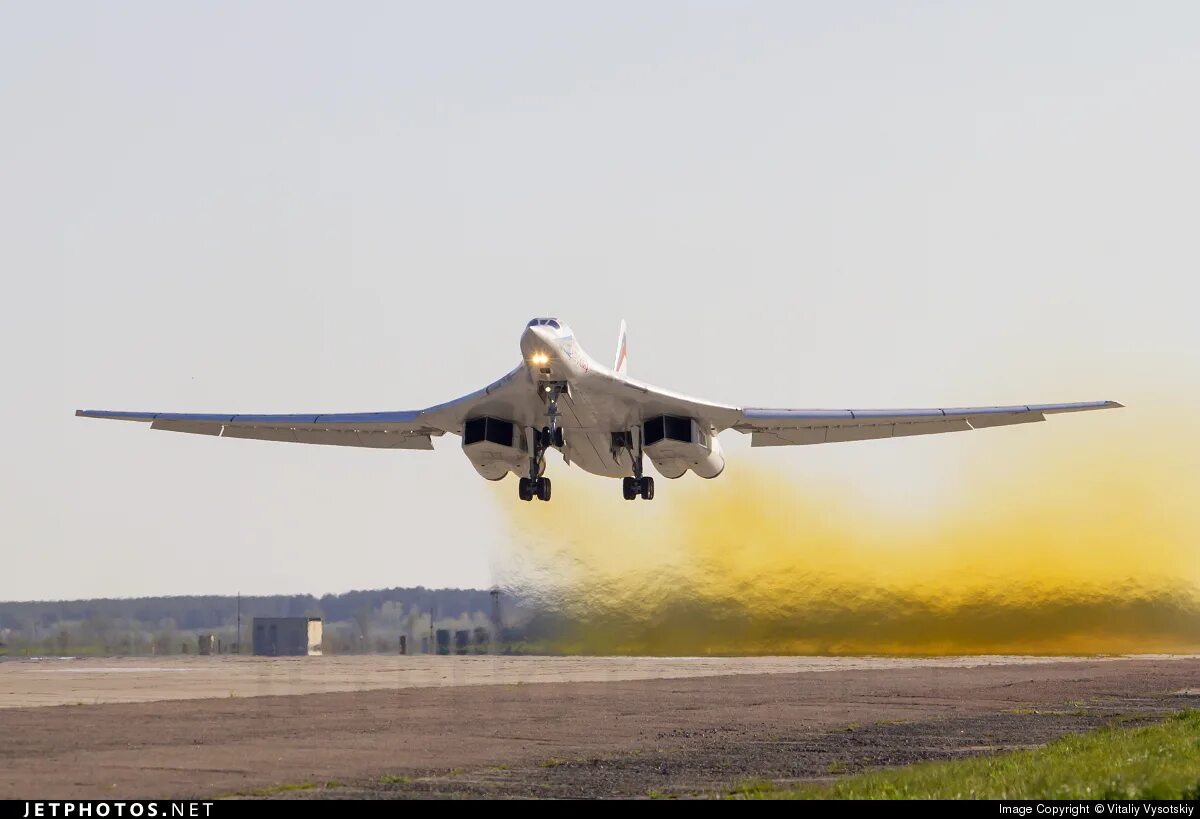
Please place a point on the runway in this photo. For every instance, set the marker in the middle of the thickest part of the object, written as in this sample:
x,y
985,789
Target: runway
x,y
528,726
91,681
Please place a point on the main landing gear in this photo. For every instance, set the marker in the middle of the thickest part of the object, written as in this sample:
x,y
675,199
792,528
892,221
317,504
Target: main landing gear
x,y
632,487
527,488
639,484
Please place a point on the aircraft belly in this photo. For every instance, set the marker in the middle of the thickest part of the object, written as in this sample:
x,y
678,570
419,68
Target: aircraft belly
x,y
598,408
590,452
589,425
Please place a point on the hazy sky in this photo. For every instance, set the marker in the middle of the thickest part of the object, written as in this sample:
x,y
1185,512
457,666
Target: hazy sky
x,y
277,207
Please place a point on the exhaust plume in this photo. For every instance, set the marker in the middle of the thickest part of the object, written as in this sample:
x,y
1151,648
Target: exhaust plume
x,y
1079,549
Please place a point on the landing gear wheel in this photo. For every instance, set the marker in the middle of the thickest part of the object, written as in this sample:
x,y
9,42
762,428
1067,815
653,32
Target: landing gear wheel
x,y
543,489
647,488
629,488
558,438
544,438
524,490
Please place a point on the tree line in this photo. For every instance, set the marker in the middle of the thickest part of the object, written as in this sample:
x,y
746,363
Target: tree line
x,y
192,612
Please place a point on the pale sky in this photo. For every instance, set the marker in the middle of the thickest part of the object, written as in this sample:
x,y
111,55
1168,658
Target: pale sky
x,y
286,207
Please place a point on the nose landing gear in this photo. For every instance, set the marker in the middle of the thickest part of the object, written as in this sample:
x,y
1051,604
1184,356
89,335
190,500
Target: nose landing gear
x,y
552,435
542,439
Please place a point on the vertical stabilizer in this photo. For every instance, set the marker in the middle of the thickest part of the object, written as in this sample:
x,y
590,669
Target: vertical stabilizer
x,y
622,360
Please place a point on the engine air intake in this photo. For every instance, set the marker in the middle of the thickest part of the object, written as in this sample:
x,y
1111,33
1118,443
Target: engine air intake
x,y
671,427
493,430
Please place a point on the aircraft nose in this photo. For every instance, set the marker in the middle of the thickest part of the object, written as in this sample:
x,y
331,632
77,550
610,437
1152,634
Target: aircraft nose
x,y
537,341
545,334
538,335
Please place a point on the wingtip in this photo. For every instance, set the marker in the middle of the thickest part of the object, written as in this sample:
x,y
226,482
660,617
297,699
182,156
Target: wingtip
x,y
79,413
1113,404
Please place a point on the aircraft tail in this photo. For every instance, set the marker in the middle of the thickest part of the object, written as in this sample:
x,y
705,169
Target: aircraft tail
x,y
622,361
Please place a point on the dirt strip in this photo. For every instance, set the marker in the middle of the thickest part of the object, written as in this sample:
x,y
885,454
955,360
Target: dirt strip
x,y
381,742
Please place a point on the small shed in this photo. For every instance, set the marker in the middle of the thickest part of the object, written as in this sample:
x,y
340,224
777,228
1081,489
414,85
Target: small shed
x,y
287,636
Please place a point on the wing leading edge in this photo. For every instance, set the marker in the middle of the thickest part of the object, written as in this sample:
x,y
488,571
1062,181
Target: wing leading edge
x,y
400,429
792,427
380,430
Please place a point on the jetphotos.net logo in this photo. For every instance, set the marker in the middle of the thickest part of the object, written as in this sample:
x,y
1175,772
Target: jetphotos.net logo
x,y
118,810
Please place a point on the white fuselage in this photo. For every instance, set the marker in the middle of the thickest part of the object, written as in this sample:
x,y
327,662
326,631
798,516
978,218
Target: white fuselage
x,y
601,406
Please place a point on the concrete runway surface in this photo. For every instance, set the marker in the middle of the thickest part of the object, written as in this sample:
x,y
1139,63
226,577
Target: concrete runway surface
x,y
65,681
536,726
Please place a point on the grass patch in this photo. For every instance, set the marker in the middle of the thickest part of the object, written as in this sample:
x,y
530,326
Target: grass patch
x,y
754,789
389,779
1159,761
270,790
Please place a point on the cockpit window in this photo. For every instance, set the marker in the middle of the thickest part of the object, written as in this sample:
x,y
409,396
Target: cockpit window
x,y
544,322
552,323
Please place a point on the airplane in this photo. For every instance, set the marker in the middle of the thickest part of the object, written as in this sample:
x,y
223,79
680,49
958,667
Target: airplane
x,y
598,418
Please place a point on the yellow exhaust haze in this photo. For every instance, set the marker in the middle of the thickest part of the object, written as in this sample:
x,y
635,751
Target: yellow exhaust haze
x,y
1090,547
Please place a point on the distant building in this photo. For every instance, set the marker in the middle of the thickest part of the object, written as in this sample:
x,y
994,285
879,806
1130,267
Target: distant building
x,y
287,636
205,644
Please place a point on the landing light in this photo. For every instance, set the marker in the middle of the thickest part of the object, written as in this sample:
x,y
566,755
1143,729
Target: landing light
x,y
540,358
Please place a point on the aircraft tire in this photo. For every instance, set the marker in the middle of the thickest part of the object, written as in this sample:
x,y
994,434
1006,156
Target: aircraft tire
x,y
647,488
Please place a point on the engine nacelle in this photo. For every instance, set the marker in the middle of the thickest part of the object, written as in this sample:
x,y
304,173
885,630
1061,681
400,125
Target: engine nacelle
x,y
675,445
495,447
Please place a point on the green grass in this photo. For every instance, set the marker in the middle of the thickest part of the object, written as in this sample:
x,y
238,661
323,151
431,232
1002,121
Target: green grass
x,y
1159,761
287,787
271,790
756,789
